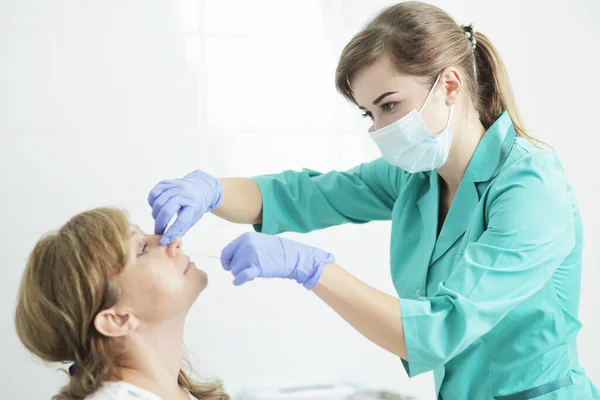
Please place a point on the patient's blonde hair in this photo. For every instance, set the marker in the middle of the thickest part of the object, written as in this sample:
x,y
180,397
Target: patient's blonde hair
x,y
67,281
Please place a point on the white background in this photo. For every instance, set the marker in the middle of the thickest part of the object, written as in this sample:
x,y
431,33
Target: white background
x,y
101,99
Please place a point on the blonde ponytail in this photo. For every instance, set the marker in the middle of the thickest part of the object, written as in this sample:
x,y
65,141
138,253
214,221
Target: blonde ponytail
x,y
494,92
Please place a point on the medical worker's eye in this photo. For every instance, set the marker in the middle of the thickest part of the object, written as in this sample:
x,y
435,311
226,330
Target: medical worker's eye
x,y
367,114
388,107
144,251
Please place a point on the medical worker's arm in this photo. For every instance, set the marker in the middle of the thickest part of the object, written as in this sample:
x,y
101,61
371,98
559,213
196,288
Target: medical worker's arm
x,y
289,201
309,200
374,314
242,202
530,231
373,187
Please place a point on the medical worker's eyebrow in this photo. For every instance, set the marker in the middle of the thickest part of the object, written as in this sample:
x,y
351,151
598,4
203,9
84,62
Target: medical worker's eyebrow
x,y
377,100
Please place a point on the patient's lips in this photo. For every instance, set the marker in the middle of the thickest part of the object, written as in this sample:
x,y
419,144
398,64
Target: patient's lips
x,y
188,267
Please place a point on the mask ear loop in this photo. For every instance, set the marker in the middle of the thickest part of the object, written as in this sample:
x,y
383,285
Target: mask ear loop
x,y
430,92
449,114
429,95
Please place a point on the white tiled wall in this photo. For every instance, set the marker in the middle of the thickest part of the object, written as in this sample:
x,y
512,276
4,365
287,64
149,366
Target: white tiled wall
x,y
101,99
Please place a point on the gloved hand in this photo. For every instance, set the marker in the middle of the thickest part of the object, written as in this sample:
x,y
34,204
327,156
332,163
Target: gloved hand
x,y
190,197
254,255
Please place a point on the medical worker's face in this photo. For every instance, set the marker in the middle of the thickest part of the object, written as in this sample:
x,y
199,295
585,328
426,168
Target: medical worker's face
x,y
396,94
159,282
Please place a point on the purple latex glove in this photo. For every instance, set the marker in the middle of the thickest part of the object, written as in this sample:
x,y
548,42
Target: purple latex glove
x,y
254,255
189,197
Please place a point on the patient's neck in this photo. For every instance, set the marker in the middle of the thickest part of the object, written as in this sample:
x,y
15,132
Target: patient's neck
x,y
153,358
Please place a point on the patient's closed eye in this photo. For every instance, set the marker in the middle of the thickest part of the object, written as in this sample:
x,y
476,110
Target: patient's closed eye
x,y
143,250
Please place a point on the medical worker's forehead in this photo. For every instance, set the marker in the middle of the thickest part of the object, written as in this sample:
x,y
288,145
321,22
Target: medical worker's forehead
x,y
372,81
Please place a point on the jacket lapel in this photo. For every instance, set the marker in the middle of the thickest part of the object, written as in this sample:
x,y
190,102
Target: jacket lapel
x,y
489,157
458,217
428,204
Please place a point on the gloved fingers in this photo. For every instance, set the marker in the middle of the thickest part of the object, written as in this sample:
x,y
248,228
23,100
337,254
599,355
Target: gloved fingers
x,y
185,220
165,214
161,187
163,198
246,275
238,263
228,253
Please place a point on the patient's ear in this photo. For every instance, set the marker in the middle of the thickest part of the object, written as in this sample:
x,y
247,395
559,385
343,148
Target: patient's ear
x,y
115,323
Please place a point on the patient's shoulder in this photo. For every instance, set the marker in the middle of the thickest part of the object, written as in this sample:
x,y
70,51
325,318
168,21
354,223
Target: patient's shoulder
x,y
121,391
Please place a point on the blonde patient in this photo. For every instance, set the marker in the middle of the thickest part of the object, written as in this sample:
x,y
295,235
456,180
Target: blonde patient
x,y
103,295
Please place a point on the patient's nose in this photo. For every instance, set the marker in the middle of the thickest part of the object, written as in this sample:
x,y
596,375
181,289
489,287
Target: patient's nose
x,y
174,247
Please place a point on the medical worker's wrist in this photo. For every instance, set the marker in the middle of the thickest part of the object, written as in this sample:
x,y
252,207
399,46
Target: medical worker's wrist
x,y
218,195
320,261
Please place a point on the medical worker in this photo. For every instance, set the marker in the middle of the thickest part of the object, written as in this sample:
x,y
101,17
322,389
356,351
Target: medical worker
x,y
486,245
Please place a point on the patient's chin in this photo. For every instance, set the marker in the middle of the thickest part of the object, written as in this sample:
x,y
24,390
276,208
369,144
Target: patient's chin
x,y
201,279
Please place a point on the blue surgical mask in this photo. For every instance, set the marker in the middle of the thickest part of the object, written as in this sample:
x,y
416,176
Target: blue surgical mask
x,y
408,144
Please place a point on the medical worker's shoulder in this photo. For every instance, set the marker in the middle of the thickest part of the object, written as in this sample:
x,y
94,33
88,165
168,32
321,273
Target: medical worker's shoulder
x,y
526,159
121,391
531,175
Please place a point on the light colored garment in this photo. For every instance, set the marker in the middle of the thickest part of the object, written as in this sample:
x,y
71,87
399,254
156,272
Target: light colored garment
x,y
122,391
491,304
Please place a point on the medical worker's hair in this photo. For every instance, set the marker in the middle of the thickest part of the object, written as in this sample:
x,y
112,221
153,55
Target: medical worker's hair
x,y
422,40
69,278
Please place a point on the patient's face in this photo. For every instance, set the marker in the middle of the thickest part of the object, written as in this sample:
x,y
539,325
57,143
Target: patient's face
x,y
159,282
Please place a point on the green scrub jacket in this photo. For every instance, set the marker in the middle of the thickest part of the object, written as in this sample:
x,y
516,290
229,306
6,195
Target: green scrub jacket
x,y
490,305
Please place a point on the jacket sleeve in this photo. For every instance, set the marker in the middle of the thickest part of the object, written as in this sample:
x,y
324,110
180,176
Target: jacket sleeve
x,y
309,200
